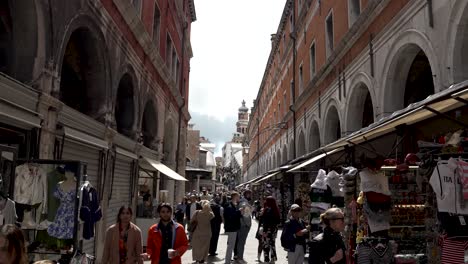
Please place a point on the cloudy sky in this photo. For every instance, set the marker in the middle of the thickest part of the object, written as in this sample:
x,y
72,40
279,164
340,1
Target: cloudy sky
x,y
231,44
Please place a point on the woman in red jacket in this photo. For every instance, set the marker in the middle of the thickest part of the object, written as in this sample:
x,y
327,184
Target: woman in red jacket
x,y
167,241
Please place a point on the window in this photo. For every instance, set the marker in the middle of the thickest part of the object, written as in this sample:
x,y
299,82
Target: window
x,y
291,24
137,5
177,73
329,35
174,64
354,9
312,60
301,81
156,24
168,52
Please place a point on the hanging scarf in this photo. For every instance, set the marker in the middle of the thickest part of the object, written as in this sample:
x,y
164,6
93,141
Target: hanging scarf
x,y
123,243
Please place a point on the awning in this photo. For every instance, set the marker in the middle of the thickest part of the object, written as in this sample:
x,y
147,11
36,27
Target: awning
x,y
442,102
16,115
164,169
314,159
268,176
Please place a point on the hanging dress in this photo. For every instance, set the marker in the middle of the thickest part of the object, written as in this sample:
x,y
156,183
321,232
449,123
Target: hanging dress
x,y
64,222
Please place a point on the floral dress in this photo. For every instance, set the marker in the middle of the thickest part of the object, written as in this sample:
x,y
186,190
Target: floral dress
x,y
63,225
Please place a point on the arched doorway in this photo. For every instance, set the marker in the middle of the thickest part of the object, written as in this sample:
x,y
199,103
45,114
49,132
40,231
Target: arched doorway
x,y
83,82
149,127
408,80
360,111
124,107
332,125
314,136
419,83
301,144
6,30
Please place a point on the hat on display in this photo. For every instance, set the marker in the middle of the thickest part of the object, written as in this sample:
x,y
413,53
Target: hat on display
x,y
295,208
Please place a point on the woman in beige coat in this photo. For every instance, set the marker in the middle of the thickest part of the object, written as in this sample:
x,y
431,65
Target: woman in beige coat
x,y
202,234
123,240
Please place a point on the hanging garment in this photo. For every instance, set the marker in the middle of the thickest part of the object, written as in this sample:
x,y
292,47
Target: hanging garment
x,y
31,185
447,187
333,181
320,180
363,252
453,250
374,182
462,170
378,216
64,222
8,214
90,211
320,198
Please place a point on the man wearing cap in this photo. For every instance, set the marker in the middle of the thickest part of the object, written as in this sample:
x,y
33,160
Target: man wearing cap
x,y
295,233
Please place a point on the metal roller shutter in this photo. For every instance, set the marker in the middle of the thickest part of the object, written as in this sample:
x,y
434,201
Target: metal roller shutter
x,y
85,153
121,184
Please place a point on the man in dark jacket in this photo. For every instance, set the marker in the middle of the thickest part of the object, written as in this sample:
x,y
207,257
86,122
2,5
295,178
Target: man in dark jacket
x,y
190,210
232,222
215,224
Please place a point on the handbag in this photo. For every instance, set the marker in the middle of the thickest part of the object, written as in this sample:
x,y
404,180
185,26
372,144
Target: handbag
x,y
193,223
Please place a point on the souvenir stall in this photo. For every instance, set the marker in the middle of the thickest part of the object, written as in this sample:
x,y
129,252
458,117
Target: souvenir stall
x,y
274,184
55,206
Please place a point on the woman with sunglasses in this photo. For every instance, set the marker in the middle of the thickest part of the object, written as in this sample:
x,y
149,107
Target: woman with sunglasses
x,y
328,247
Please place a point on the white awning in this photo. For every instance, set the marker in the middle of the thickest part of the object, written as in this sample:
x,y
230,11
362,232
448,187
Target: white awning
x,y
164,169
268,176
314,159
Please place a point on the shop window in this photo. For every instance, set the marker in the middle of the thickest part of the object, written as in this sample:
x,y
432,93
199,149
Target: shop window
x,y
329,34
354,10
147,191
156,25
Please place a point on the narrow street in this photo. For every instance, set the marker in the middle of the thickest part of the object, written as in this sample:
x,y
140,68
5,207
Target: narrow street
x,y
250,249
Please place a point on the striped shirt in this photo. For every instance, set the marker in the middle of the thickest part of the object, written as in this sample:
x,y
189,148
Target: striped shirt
x,y
453,251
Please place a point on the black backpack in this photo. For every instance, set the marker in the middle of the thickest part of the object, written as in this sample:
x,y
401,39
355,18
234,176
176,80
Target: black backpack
x,y
287,236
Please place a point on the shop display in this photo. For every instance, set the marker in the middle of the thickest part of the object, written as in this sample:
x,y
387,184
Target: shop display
x,y
7,210
90,211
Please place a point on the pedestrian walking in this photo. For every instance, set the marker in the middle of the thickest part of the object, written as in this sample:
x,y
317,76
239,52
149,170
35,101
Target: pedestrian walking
x,y
167,240
269,224
180,211
293,237
202,232
123,240
328,247
191,208
232,218
215,224
246,223
12,245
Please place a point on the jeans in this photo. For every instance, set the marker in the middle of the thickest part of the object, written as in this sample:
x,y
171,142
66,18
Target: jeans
x,y
296,257
230,246
241,239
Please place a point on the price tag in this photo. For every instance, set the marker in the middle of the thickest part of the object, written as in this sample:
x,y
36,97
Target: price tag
x,y
462,220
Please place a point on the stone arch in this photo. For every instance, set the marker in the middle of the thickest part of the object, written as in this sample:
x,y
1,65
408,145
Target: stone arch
x,y
360,108
411,49
6,38
291,150
84,68
284,155
275,163
125,105
149,125
457,42
332,125
314,136
170,141
301,145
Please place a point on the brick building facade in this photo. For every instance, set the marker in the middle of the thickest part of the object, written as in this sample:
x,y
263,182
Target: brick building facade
x,y
337,66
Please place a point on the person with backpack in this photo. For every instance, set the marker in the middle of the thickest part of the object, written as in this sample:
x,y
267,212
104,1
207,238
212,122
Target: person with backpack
x,y
293,237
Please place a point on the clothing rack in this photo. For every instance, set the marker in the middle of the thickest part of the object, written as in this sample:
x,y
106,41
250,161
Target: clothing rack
x,y
81,176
